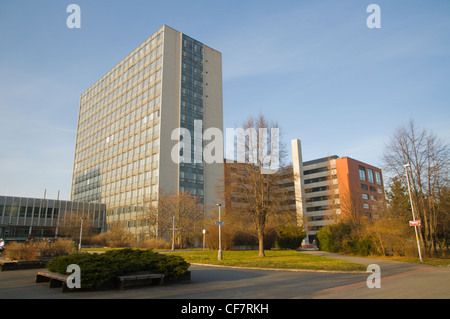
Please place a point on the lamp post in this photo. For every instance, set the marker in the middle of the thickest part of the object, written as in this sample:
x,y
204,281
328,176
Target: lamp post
x,y
173,233
204,231
81,233
219,255
412,209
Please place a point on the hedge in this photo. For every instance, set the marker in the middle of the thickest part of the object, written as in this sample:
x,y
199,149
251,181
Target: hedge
x,y
99,269
289,237
339,238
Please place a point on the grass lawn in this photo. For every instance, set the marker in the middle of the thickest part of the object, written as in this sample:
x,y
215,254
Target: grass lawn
x,y
284,259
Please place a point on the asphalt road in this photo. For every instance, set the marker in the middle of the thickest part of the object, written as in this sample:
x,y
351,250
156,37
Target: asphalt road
x,y
398,280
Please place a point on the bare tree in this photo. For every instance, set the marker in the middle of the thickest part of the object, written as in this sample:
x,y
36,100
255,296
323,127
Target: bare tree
x,y
70,225
428,158
257,179
150,218
443,227
118,236
352,212
391,231
179,210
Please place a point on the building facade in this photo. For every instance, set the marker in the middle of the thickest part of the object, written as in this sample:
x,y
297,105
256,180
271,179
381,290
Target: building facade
x,y
22,217
329,188
361,187
134,121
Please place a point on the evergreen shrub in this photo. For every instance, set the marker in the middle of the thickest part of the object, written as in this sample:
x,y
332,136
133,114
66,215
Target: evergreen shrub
x,y
99,269
289,237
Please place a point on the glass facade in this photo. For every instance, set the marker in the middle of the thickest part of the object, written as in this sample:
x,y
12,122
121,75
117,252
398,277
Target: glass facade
x,y
117,148
22,217
123,156
191,115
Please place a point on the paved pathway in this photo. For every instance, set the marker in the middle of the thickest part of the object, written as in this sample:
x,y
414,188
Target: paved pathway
x,y
398,280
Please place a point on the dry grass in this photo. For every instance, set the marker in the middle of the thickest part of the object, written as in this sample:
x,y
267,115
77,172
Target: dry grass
x,y
154,243
20,251
32,250
280,259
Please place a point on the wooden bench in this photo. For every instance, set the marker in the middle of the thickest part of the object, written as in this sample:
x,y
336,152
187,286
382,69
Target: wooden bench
x,y
55,280
140,279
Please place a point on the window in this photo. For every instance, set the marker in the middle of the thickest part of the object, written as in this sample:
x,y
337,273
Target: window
x,y
366,206
317,170
315,180
29,211
317,189
378,177
316,208
365,196
364,187
316,199
370,175
362,173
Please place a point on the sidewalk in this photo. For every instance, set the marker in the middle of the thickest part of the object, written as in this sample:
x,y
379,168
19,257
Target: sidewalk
x,y
399,280
392,267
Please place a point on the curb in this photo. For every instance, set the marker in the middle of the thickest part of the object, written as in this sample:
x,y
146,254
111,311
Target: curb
x,y
282,269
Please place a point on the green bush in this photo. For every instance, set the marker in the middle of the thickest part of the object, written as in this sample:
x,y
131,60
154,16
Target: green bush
x,y
360,246
98,269
333,237
339,238
289,237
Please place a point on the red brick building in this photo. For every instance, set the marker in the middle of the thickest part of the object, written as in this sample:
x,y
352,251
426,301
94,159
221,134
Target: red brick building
x,y
329,188
360,183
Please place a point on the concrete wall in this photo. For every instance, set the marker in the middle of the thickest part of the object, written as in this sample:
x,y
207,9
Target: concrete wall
x,y
170,110
213,118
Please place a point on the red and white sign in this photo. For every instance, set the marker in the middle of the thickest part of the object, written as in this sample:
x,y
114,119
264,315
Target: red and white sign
x,y
414,223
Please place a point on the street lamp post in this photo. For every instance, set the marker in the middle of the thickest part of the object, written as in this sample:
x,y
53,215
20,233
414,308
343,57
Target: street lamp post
x,y
412,209
81,233
173,233
204,231
219,255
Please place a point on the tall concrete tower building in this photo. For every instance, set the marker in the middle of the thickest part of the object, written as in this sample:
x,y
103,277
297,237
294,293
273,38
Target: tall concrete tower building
x,y
127,128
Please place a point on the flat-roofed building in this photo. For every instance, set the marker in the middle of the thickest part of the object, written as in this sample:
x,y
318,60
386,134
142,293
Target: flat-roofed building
x,y
331,187
128,145
23,217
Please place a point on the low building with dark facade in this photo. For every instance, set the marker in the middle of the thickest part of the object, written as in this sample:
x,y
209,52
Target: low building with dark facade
x,y
22,217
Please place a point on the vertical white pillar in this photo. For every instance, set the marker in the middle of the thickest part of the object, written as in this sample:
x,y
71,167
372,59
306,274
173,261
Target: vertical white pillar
x,y
297,165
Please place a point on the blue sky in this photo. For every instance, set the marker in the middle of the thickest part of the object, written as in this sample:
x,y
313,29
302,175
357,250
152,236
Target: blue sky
x,y
313,66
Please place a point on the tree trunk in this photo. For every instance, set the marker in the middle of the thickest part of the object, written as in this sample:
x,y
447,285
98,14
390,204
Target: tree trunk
x,y
261,243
